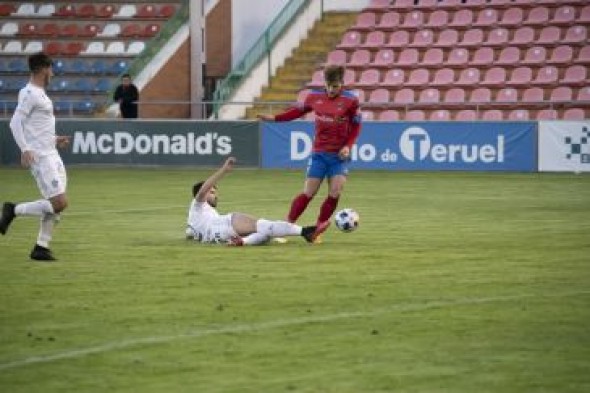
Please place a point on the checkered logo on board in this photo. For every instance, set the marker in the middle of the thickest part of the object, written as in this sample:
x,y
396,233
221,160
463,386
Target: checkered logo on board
x,y
579,149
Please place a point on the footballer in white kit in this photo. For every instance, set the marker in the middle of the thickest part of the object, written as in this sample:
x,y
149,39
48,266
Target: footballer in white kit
x,y
206,225
33,129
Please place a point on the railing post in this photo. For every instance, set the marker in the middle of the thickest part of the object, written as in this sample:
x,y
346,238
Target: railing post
x,y
268,53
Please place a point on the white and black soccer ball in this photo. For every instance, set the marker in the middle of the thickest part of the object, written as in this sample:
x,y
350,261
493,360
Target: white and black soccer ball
x,y
347,220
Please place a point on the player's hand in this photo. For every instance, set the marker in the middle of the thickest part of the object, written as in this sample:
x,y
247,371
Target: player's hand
x,y
27,158
62,141
266,117
344,153
229,163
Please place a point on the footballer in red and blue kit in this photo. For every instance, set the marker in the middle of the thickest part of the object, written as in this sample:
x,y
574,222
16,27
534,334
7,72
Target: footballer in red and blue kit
x,y
337,127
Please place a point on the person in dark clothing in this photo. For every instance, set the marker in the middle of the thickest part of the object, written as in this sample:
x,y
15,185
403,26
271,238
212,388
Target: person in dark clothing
x,y
127,95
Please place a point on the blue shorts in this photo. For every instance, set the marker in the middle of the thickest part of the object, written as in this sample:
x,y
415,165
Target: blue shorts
x,y
321,165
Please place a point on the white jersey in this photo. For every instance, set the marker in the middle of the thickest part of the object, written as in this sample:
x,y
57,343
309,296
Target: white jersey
x,y
206,225
38,122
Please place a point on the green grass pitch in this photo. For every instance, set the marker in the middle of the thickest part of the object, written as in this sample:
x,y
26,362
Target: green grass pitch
x,y
454,282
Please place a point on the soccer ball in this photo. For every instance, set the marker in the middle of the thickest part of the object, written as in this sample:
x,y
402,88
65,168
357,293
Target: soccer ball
x,y
347,220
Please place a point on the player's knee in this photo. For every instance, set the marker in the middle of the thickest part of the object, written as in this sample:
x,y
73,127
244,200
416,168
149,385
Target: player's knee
x,y
59,204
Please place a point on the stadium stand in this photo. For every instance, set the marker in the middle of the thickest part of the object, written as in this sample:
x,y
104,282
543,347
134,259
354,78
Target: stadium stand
x,y
92,45
490,55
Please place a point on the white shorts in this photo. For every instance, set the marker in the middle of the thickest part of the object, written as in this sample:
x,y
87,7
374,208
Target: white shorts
x,y
50,174
217,230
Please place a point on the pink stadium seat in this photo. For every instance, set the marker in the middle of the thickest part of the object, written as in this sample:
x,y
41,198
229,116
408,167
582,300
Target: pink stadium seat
x,y
404,96
561,94
546,76
547,114
89,30
351,39
492,115
408,58
302,95
369,78
360,58
497,37
383,58
349,77
512,17
86,11
533,94
562,54
455,95
418,77
415,115
433,57
360,95
462,19
585,15
466,115
521,76
575,76
389,21
486,18
379,5
146,11
413,20
483,57
423,38
368,115
429,96
337,57
389,115
549,35
394,78
494,77
402,4
574,114
379,96
468,77
481,95
472,37
443,77
584,94
105,11
399,39
584,55
518,115
523,36
375,39
510,55
447,38
476,3
167,11
440,115
575,35
564,15
426,4
507,94
317,79
535,55
65,11
538,16
458,57
438,19
365,21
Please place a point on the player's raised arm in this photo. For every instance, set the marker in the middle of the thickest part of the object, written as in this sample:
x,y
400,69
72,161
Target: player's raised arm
x,y
214,178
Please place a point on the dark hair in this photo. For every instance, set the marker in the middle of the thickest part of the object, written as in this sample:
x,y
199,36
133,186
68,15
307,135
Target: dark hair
x,y
38,61
197,187
125,76
334,73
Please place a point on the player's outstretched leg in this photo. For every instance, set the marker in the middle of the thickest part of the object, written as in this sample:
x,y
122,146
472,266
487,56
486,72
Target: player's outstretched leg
x,y
41,253
319,229
8,215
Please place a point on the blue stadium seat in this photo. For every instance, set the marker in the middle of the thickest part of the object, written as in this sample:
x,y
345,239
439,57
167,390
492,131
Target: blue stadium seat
x,y
119,67
85,106
3,66
59,67
103,85
79,67
18,65
62,106
82,85
99,67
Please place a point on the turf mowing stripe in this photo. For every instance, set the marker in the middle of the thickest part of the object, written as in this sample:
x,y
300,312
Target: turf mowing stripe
x,y
78,353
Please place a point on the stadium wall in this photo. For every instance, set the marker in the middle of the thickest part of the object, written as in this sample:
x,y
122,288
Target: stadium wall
x,y
551,146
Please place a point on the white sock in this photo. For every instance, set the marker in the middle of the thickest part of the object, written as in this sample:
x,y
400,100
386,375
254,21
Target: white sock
x,y
255,239
277,228
48,221
36,208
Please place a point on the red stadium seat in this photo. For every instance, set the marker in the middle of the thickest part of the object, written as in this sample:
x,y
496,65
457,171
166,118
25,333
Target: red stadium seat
x,y
413,20
455,95
167,11
459,57
486,18
389,115
433,57
399,39
447,38
438,19
512,17
351,40
28,29
337,57
483,57
89,30
7,9
443,77
389,21
535,55
408,58
575,76
481,95
497,37
575,35
462,19
546,76
574,114
564,15
493,115
523,36
70,30
379,5
468,77
429,96
472,37
146,11
150,30
360,58
72,49
65,11
440,115
547,114
521,76
50,30
415,115
510,55
379,96
131,30
562,54
584,55
365,21
466,115
561,94
375,40
369,78
384,58
494,77
507,94
584,95
519,115
394,77
86,11
533,94
105,11
53,48
585,15
549,35
404,96
349,77
418,77
538,16
423,38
